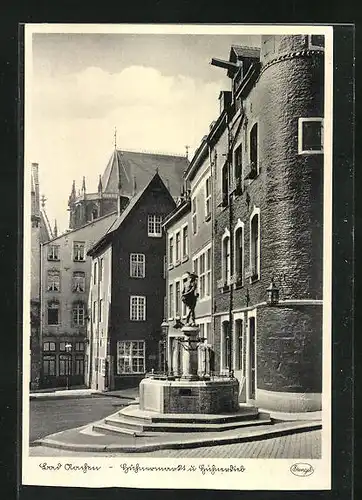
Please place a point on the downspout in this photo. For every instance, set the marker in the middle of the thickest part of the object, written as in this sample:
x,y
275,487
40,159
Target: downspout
x,y
41,375
99,311
212,294
230,195
90,367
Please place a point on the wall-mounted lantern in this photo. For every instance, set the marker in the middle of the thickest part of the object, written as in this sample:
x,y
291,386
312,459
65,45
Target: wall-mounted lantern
x,y
272,294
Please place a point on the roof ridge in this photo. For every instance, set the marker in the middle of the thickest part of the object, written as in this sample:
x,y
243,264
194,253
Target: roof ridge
x,y
149,152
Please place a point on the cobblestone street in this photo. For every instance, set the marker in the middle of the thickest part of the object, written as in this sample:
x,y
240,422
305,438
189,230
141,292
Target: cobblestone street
x,y
298,445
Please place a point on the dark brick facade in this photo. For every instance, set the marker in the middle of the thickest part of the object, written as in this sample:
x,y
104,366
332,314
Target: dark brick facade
x,y
132,236
289,194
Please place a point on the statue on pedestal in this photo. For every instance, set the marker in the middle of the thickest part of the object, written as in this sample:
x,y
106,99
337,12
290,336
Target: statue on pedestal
x,y
189,297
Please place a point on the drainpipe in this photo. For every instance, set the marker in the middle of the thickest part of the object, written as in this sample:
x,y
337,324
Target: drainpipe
x,y
40,361
212,294
90,365
230,332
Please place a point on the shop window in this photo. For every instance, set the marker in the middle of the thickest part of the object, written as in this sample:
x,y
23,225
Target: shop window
x,y
130,357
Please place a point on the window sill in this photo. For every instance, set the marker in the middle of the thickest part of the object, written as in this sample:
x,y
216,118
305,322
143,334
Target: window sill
x,y
177,263
237,286
310,152
137,277
208,218
76,260
225,289
53,260
155,235
185,258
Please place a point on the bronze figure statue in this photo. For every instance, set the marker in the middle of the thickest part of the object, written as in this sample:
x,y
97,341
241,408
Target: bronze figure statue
x,y
189,297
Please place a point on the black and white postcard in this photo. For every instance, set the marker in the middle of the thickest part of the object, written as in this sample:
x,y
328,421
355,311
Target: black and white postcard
x,y
177,256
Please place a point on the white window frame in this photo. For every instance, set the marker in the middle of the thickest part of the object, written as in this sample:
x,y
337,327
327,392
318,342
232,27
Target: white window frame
x,y
101,269
301,121
76,280
140,313
49,303
226,278
95,267
223,319
94,311
171,301
238,145
185,254
171,250
196,267
76,251
256,211
255,122
183,305
131,356
178,257
240,226
208,206
138,264
179,313
194,214
315,47
80,318
154,220
53,285
239,317
53,252
101,312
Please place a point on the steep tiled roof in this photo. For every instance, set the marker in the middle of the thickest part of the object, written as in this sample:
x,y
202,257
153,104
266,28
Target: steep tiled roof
x,y
136,169
241,51
119,221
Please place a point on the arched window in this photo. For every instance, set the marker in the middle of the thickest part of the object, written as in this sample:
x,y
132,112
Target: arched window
x,y
254,247
226,270
78,314
239,252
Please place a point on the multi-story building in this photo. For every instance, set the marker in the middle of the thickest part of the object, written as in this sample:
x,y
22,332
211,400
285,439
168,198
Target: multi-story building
x,y
198,176
126,174
65,275
66,268
268,224
126,297
40,233
178,263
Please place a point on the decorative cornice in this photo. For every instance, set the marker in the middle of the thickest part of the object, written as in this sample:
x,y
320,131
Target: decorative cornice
x,y
291,55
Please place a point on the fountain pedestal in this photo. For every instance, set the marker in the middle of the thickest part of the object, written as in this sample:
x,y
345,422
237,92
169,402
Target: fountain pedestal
x,y
190,394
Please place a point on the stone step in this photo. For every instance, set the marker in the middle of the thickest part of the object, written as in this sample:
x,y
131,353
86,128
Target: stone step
x,y
146,417
104,428
128,426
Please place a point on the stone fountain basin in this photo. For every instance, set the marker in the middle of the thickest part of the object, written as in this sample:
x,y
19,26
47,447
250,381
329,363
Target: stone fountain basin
x,y
189,396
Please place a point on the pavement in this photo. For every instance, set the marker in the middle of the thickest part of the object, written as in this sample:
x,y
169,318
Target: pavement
x,y
131,393
83,439
302,445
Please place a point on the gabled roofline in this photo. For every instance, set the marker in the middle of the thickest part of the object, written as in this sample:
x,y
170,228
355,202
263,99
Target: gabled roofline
x,y
202,151
81,227
179,211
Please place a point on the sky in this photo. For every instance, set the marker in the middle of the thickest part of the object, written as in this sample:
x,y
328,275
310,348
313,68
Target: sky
x,y
159,92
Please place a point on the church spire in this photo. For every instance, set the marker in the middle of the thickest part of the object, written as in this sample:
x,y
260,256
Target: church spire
x,y
100,187
73,195
55,230
83,185
115,137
